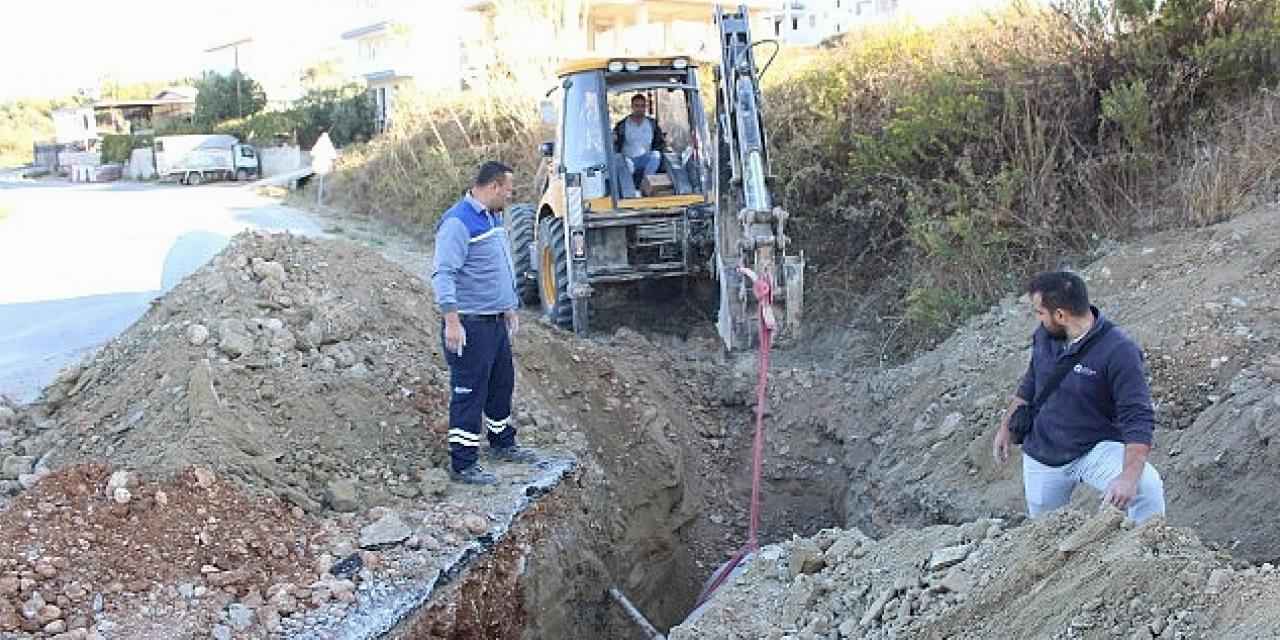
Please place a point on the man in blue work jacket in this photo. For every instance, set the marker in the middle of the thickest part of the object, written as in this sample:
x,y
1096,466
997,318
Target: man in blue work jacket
x,y
475,288
1096,427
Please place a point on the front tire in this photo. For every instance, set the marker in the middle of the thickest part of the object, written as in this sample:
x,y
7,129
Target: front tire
x,y
553,273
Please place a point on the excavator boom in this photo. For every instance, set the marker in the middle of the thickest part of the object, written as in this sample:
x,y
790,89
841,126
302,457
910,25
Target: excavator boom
x,y
750,228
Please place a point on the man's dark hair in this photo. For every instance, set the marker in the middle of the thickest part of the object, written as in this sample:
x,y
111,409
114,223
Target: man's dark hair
x,y
1061,290
639,96
490,172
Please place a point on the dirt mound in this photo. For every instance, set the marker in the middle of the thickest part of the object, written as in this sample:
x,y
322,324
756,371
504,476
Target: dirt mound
x,y
1064,576
302,368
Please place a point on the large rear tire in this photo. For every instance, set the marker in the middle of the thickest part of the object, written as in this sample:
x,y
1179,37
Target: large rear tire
x,y
553,273
520,224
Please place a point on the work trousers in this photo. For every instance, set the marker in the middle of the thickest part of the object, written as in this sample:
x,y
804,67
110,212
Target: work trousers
x,y
482,380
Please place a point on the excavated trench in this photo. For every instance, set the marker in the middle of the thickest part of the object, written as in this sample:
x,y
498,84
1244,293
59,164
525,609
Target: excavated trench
x,y
661,501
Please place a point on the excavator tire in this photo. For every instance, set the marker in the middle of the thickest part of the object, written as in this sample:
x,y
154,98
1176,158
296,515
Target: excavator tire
x,y
520,224
553,273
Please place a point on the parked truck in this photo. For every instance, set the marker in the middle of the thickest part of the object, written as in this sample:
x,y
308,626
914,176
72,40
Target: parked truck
x,y
195,159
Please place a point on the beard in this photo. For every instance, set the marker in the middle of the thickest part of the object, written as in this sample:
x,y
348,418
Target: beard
x,y
1056,330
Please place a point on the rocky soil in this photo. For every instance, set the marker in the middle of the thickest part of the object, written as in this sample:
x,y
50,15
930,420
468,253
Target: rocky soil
x,y
305,376
1067,575
262,456
915,448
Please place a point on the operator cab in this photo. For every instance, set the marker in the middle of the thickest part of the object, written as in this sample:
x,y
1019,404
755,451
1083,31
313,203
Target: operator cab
x,y
599,97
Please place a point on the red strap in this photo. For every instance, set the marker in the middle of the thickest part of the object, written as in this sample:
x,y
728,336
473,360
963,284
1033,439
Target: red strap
x,y
763,290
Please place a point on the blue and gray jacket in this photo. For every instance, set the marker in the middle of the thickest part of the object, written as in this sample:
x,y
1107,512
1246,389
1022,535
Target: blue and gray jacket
x,y
1104,398
473,269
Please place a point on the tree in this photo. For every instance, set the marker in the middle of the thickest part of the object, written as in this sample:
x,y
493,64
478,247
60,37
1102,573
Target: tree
x,y
223,97
346,113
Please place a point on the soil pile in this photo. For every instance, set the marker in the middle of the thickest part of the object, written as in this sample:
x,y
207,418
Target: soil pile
x,y
1068,575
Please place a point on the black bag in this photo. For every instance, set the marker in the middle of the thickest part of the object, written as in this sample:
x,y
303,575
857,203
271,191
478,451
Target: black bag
x,y
1024,416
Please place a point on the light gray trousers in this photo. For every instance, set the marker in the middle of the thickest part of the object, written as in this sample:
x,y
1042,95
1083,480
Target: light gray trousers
x,y
1048,488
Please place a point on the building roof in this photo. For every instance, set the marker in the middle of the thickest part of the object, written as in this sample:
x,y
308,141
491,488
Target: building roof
x,y
178,92
659,9
121,104
366,30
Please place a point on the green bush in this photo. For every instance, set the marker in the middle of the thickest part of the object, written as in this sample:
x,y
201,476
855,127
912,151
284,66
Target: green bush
x,y
116,149
938,168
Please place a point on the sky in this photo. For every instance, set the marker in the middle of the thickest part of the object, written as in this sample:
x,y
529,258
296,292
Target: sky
x,y
50,49
53,48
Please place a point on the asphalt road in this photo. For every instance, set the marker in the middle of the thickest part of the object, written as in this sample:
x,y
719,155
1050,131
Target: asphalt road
x,y
79,263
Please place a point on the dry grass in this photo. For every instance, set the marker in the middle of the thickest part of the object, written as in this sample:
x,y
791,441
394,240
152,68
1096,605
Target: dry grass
x,y
423,163
1231,166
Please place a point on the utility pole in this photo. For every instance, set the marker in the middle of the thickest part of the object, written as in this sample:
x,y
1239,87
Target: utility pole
x,y
235,49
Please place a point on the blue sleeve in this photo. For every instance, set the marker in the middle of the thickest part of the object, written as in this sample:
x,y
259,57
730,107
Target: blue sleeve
x,y
1027,388
1134,416
451,253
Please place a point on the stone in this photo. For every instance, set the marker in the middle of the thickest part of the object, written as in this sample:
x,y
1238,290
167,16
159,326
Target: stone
x,y
342,354
162,498
228,578
122,496
8,586
475,524
339,587
1157,626
204,477
1218,580
187,590
234,339
253,599
950,423
49,613
240,616
9,619
947,557
874,611
222,632
387,531
284,603
269,618
197,334
14,466
29,480
118,480
340,495
75,592
268,270
46,569
806,558
57,626
956,581
283,340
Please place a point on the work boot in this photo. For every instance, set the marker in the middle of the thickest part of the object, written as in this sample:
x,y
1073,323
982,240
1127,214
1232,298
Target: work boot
x,y
474,474
513,453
